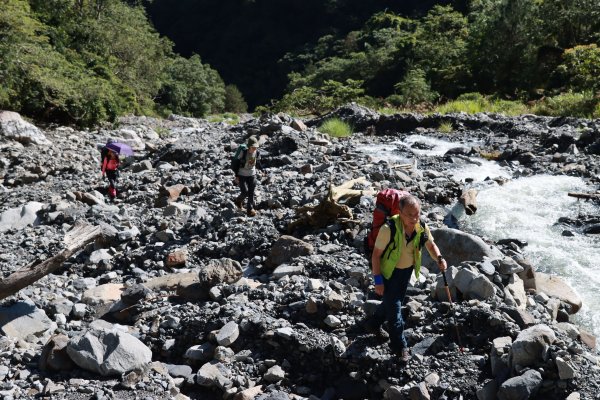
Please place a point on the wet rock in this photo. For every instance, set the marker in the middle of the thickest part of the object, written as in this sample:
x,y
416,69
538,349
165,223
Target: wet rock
x,y
554,286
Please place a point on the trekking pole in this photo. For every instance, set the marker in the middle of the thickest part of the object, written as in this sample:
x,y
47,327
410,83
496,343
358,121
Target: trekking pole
x,y
451,304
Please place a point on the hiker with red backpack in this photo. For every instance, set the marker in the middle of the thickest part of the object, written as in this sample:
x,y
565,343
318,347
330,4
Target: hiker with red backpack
x,y
397,251
244,164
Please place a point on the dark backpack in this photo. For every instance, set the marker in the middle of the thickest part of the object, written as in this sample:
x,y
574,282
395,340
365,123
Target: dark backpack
x,y
236,161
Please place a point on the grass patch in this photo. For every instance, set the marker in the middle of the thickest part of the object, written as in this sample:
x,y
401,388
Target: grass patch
x,y
446,127
228,118
335,127
473,103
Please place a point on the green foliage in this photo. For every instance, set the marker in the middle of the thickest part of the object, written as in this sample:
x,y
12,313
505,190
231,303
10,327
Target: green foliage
x,y
191,88
228,118
581,67
335,127
502,40
473,103
414,89
441,49
310,101
234,100
575,104
445,127
86,62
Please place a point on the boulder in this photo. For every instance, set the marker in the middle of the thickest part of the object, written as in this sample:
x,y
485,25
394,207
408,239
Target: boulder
x,y
12,126
521,387
530,345
556,287
20,217
24,321
287,248
54,355
457,246
216,271
109,352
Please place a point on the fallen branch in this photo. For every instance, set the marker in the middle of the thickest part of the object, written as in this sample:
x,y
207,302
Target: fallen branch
x,y
586,196
328,210
80,235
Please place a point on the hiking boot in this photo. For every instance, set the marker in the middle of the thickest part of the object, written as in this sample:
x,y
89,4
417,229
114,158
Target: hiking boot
x,y
380,333
251,213
404,355
238,202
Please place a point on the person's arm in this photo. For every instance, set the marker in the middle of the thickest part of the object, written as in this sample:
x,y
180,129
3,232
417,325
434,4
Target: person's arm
x,y
104,162
381,242
376,264
436,254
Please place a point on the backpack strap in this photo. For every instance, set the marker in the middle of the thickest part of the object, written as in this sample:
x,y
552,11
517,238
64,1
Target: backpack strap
x,y
389,222
424,235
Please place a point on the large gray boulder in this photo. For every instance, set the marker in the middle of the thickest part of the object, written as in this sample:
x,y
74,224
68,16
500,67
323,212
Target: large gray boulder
x,y
20,217
23,320
12,126
457,246
109,352
530,345
521,387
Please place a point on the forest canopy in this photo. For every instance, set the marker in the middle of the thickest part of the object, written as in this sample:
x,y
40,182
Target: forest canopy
x,y
88,61
84,62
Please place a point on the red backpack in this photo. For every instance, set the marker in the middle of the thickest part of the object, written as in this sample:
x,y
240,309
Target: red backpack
x,y
386,205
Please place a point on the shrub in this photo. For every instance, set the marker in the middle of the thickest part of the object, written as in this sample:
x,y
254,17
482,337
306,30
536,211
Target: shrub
x,y
574,104
335,127
414,89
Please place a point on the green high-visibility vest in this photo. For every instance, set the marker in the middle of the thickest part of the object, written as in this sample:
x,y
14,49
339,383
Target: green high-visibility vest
x,y
392,253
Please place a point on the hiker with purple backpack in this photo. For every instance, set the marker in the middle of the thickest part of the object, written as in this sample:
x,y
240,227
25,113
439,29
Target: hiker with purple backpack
x,y
396,253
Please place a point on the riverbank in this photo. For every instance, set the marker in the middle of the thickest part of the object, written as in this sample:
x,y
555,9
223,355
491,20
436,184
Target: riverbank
x,y
229,305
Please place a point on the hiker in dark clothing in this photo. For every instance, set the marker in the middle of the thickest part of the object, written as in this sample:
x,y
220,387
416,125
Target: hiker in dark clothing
x,y
244,165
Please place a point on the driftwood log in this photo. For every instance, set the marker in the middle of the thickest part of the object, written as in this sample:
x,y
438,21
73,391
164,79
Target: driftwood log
x,y
469,201
586,196
80,235
332,208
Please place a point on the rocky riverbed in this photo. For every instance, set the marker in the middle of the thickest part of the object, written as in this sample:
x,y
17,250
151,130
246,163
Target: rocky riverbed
x,y
184,296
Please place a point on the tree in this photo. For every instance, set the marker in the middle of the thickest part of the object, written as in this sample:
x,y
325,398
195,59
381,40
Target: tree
x,y
441,50
581,68
414,89
192,88
234,100
502,44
